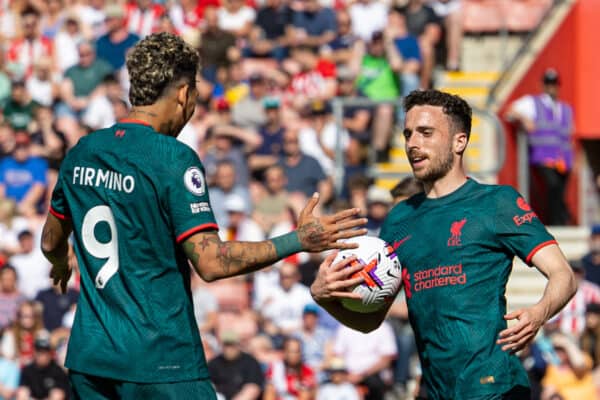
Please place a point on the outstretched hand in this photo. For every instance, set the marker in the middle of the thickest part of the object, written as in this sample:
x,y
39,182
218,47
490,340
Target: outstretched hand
x,y
60,274
323,233
515,338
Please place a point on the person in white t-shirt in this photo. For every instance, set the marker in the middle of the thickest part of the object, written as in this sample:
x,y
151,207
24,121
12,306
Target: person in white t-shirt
x,y
368,357
236,18
368,17
32,267
338,386
285,304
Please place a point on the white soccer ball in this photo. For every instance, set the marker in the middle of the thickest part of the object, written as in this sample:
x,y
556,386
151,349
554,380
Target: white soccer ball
x,y
382,273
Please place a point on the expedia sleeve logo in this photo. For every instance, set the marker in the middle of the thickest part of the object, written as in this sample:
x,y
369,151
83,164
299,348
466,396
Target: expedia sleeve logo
x,y
194,181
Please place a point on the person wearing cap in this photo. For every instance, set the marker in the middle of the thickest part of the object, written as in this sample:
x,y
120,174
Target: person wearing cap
x,y
591,260
548,122
23,176
271,132
235,373
43,378
379,201
316,340
240,225
338,386
112,46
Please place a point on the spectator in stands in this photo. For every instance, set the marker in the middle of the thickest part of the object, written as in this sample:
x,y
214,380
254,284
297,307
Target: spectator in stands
x,y
312,24
425,25
320,137
358,186
338,386
225,185
450,12
341,48
548,122
30,46
20,108
218,46
10,297
32,267
408,48
100,112
271,133
290,377
143,16
56,305
229,142
272,207
405,188
78,88
43,378
236,18
312,77
236,374
9,378
66,40
268,36
52,18
17,341
261,348
572,378
42,85
240,225
368,17
284,304
590,338
378,66
368,364
205,306
23,176
249,112
316,341
4,80
379,201
113,46
187,15
591,261
11,224
572,317
304,173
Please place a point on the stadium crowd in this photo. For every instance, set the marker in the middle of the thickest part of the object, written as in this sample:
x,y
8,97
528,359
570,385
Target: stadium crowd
x,y
265,132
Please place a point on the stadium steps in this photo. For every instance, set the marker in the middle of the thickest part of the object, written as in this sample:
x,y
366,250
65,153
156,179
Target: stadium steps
x,y
526,285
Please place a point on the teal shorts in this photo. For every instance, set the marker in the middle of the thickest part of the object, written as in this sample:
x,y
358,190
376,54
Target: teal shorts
x,y
89,387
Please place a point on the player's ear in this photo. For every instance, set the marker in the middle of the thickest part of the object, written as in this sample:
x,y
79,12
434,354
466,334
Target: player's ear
x,y
460,141
183,93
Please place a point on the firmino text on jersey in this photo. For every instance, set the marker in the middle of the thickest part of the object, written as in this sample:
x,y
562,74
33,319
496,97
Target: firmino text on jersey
x,y
109,179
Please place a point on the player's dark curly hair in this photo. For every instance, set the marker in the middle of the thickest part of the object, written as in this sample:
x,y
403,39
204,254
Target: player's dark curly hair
x,y
454,106
156,63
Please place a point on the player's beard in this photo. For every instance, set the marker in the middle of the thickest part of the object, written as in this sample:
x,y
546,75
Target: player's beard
x,y
438,168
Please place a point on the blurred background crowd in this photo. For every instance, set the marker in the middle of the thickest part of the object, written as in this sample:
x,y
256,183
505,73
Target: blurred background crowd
x,y
265,130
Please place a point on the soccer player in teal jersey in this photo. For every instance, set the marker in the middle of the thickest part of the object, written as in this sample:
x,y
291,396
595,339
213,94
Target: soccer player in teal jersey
x,y
137,203
456,242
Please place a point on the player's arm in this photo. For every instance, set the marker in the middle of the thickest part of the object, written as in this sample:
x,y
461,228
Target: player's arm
x,y
55,246
216,259
561,287
334,282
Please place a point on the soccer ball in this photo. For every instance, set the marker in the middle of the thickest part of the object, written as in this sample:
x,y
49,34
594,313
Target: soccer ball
x,y
382,273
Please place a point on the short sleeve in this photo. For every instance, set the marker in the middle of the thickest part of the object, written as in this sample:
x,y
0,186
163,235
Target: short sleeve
x,y
58,204
517,227
187,196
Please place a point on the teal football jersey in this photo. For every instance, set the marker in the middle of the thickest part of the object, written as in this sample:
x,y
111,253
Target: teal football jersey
x,y
133,195
457,254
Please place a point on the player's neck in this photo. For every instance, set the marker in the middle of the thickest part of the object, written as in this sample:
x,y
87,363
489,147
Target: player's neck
x,y
446,185
152,115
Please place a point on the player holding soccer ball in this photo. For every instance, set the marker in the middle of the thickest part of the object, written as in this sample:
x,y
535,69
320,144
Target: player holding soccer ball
x,y
137,203
456,243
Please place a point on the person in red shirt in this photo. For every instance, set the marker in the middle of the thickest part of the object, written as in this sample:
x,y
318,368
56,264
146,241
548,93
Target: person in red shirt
x,y
290,377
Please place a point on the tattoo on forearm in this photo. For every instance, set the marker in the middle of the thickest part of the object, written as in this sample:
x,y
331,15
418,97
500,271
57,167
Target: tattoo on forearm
x,y
311,234
233,258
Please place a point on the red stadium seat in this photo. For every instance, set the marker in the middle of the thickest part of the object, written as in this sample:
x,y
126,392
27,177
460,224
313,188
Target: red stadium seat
x,y
482,16
524,15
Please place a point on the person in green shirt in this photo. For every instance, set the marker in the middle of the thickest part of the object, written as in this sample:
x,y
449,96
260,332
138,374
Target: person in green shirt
x,y
456,242
19,109
137,203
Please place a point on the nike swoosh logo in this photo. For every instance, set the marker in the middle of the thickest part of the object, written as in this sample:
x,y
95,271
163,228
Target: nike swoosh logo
x,y
401,242
389,273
